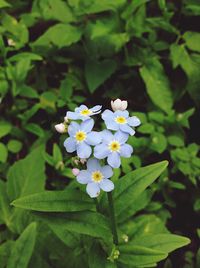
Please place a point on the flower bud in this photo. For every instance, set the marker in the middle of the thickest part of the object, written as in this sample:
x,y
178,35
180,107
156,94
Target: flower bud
x,y
119,105
83,161
66,120
61,128
75,171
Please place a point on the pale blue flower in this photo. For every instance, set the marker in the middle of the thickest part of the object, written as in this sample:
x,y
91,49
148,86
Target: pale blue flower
x,y
81,138
96,178
83,112
120,120
112,147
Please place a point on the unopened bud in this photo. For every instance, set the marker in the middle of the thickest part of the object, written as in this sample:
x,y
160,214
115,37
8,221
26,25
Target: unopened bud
x,y
83,160
66,120
119,105
75,171
61,128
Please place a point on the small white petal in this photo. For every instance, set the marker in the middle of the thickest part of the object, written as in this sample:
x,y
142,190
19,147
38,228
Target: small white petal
x,y
60,128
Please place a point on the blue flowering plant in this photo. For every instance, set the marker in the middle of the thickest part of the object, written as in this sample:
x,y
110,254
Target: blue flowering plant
x,y
102,150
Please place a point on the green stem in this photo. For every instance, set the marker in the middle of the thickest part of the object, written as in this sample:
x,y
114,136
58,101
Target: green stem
x,y
112,218
97,204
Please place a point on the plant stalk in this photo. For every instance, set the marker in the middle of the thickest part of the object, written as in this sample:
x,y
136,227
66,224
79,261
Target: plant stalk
x,y
112,218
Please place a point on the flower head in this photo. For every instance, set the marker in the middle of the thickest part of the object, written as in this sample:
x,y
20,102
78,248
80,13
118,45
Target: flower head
x,y
112,147
96,178
83,112
81,138
119,105
120,120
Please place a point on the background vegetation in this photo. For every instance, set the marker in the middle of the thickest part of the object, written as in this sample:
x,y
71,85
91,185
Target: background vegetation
x,y
55,55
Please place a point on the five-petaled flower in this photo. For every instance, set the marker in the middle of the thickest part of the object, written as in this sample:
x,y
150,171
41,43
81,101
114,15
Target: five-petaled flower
x,y
83,112
112,147
96,177
120,120
81,138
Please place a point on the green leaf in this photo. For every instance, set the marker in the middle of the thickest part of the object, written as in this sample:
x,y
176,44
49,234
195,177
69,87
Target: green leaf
x,y
35,129
14,146
60,35
192,40
23,248
5,211
4,4
3,153
158,142
163,242
175,141
5,128
27,176
88,223
55,201
139,256
5,250
98,72
130,186
157,85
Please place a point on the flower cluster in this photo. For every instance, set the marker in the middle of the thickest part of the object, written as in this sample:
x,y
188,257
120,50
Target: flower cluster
x,y
93,147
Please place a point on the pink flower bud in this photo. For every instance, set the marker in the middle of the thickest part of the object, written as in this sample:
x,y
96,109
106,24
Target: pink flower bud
x,y
75,171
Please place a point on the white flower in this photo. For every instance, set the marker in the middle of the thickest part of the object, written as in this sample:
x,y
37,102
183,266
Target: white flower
x,y
61,128
75,171
119,105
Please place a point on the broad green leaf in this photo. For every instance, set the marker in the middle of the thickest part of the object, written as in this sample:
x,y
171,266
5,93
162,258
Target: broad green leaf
x,y
5,210
14,146
175,141
28,55
158,142
60,35
53,10
3,153
163,242
157,85
192,40
4,4
130,186
88,223
27,176
98,72
5,250
23,248
55,201
139,255
5,128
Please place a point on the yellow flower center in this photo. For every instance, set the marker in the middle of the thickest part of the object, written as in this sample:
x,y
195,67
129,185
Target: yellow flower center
x,y
80,136
85,112
120,120
114,146
97,176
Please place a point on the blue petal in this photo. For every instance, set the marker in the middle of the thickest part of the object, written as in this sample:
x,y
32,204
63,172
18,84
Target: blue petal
x,y
101,151
127,129
107,172
120,136
87,125
70,145
84,177
126,150
111,124
93,164
93,189
122,113
134,121
107,136
96,108
94,138
83,150
106,185
72,115
73,128
80,108
114,160
107,114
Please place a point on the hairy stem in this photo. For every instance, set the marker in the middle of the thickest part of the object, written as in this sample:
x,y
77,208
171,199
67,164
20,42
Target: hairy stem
x,y
112,218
